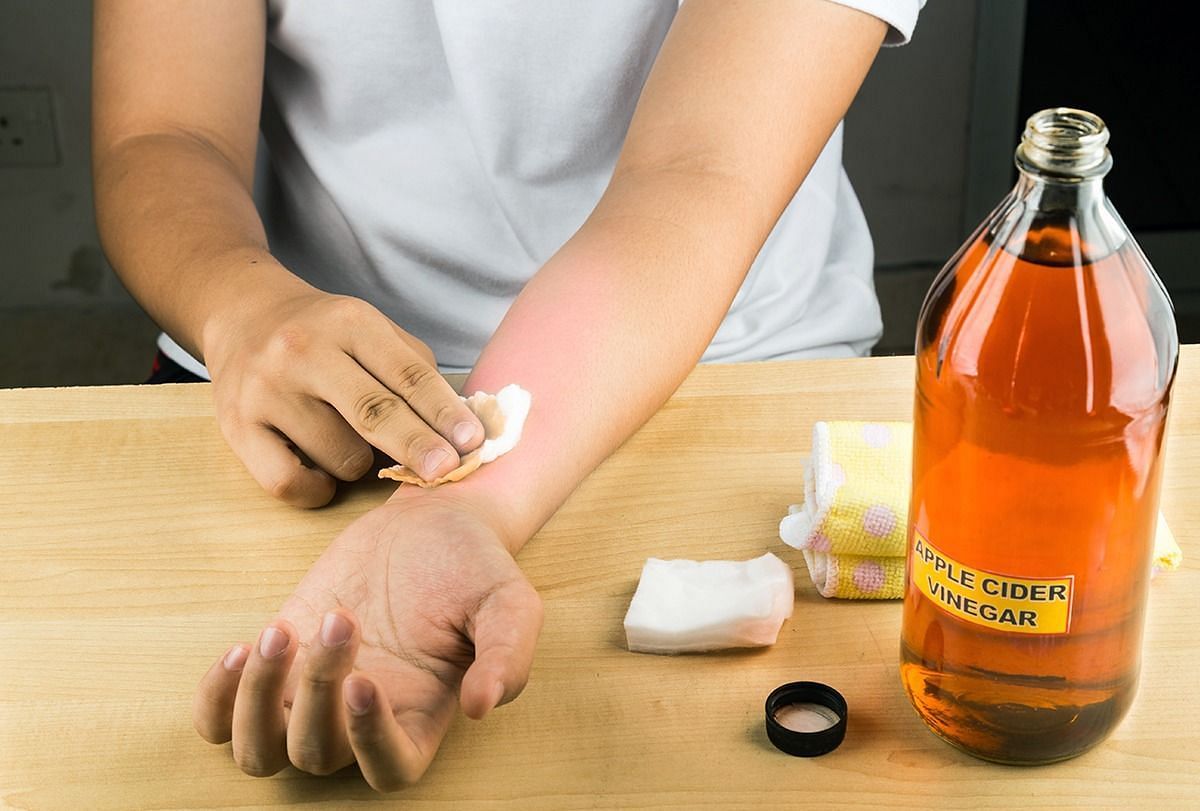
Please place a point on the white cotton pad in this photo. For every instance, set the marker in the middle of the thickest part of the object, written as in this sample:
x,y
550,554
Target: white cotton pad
x,y
502,415
684,606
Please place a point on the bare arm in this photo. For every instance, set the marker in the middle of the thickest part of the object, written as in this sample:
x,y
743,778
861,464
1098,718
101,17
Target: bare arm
x,y
177,90
176,101
740,102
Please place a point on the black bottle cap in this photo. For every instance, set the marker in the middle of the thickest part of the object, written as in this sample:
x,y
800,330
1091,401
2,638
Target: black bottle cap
x,y
806,718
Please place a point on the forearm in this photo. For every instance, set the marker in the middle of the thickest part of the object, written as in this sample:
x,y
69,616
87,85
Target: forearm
x,y
731,120
181,229
601,337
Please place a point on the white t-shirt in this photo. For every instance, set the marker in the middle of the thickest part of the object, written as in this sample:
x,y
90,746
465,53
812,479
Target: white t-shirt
x,y
429,157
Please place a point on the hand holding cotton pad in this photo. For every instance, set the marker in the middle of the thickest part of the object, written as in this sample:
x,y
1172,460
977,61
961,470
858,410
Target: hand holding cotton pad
x,y
503,416
687,606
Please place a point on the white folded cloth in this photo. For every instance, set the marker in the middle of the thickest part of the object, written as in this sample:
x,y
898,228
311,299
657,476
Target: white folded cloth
x,y
687,606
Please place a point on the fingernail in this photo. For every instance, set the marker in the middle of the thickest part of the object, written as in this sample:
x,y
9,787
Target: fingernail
x,y
273,643
335,630
433,460
359,695
463,433
235,660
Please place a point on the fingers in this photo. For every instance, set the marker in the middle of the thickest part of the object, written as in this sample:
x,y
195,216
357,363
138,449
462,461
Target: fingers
x,y
212,708
338,715
277,468
259,723
504,629
385,419
325,438
316,736
399,364
338,354
386,754
416,345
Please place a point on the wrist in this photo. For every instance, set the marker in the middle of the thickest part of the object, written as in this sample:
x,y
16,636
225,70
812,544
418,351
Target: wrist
x,y
247,284
468,497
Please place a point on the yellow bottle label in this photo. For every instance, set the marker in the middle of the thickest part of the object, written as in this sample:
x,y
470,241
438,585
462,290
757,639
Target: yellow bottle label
x,y
1023,605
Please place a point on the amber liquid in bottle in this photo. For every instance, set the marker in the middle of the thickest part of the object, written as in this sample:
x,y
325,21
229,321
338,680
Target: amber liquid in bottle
x,y
1045,356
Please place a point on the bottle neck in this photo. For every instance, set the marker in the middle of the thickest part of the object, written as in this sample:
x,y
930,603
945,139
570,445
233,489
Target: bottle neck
x,y
1051,193
1053,220
1057,214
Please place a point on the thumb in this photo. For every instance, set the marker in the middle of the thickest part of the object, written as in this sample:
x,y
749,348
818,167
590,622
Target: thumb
x,y
504,629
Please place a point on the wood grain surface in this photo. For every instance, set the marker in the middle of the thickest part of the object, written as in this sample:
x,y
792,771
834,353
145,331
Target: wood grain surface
x,y
134,549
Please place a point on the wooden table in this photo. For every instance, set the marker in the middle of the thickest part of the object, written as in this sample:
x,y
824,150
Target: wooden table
x,y
133,549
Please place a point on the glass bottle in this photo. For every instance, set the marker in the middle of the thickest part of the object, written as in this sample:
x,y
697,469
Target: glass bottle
x,y
1046,349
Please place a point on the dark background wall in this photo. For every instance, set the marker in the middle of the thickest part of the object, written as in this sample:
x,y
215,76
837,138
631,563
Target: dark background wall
x,y
930,138
928,145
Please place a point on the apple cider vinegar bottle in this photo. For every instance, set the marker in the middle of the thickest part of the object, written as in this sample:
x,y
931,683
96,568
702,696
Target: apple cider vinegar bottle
x,y
1046,350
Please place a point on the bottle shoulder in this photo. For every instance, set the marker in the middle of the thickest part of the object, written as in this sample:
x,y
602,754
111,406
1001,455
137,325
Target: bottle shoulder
x,y
1079,337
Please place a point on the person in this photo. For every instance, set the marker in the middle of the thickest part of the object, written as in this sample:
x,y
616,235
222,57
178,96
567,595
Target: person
x,y
584,199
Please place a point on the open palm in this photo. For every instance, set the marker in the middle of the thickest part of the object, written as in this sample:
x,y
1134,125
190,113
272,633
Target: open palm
x,y
415,606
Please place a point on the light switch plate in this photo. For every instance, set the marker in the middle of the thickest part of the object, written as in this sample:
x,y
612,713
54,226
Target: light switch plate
x,y
27,136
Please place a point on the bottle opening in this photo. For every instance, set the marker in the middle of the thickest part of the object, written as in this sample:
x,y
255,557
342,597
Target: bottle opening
x,y
1065,143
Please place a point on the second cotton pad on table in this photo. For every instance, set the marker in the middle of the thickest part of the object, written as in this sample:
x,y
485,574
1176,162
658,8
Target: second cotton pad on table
x,y
688,606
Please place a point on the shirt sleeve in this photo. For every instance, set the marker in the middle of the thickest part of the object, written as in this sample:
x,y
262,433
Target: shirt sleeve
x,y
900,15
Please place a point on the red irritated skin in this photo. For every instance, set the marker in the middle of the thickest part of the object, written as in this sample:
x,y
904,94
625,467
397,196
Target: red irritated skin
x,y
418,606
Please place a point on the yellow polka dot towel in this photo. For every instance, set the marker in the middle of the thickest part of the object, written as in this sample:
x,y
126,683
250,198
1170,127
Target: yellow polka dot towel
x,y
852,526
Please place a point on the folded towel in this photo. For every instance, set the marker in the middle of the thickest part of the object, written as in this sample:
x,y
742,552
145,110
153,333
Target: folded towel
x,y
851,527
853,524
